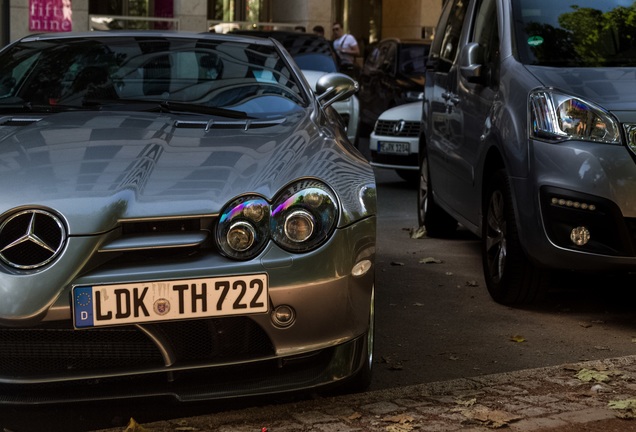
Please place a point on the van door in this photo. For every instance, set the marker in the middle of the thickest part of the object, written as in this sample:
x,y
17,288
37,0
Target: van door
x,y
441,73
475,90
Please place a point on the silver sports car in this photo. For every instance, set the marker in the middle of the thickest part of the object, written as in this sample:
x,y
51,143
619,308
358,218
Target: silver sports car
x,y
181,215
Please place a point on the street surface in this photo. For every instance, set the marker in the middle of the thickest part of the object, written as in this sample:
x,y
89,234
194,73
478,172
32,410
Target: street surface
x,y
434,322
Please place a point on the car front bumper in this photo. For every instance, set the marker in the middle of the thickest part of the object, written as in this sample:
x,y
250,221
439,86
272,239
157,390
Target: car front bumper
x,y
211,358
578,185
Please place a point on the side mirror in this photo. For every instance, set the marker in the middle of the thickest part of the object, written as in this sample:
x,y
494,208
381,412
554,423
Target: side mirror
x,y
471,62
334,87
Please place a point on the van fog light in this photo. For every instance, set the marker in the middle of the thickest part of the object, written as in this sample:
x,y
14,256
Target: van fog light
x,y
580,236
283,316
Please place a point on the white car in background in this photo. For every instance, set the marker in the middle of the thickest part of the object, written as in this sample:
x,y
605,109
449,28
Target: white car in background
x,y
394,141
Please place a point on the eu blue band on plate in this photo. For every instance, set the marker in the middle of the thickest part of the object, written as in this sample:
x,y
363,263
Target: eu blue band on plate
x,y
83,306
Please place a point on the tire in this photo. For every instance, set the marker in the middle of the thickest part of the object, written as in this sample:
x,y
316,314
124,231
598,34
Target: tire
x,y
511,278
437,222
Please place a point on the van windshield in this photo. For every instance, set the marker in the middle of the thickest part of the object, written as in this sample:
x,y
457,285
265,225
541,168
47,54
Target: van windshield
x,y
576,33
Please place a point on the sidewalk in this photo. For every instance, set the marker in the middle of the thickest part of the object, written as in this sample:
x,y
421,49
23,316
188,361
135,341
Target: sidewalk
x,y
591,396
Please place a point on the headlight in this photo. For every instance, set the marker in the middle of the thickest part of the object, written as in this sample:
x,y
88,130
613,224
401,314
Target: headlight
x,y
303,216
243,228
557,117
300,219
414,96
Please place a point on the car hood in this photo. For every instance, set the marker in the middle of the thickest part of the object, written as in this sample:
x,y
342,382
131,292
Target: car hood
x,y
95,168
612,88
410,112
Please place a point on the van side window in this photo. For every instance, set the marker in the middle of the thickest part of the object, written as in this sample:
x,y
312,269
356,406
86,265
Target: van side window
x,y
445,51
486,34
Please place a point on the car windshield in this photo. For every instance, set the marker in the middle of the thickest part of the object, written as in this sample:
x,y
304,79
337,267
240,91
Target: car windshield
x,y
576,33
213,76
413,59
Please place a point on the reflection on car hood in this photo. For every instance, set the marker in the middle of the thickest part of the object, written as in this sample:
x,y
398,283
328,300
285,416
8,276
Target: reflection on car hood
x,y
98,167
612,88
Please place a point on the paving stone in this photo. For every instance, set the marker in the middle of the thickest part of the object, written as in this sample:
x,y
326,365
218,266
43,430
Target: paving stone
x,y
545,399
585,416
535,424
311,417
382,408
334,427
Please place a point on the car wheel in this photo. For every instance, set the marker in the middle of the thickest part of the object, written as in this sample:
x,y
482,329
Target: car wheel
x,y
437,222
510,276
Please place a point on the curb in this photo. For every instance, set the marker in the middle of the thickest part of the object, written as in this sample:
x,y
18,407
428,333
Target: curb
x,y
600,394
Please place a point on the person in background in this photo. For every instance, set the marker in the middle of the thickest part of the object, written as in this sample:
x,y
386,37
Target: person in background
x,y
319,30
300,29
345,45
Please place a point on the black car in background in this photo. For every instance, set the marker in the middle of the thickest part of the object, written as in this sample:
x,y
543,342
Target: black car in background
x,y
392,75
316,57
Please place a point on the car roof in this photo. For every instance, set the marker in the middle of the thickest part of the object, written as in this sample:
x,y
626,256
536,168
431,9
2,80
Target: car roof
x,y
145,33
408,41
293,41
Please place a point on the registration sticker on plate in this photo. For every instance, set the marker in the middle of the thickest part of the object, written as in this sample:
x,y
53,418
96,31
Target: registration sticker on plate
x,y
393,147
107,305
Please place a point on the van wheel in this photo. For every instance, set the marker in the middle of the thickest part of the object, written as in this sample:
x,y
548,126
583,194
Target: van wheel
x,y
510,276
437,222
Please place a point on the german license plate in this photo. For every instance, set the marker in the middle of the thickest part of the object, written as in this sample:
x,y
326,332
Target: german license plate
x,y
393,147
130,303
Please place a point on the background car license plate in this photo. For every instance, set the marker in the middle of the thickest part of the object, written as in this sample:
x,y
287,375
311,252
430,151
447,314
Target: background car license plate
x,y
394,147
104,305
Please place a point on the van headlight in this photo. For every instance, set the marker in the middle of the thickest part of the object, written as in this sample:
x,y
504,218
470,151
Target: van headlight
x,y
556,116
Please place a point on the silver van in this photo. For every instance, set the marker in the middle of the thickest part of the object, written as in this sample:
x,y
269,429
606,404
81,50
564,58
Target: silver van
x,y
529,137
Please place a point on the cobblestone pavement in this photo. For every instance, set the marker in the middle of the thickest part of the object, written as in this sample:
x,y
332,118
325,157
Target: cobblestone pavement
x,y
590,396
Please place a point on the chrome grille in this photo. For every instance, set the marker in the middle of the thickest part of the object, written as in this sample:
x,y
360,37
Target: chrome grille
x,y
397,128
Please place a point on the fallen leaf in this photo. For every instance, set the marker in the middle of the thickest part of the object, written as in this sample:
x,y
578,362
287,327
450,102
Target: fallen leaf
x,y
489,417
449,273
588,375
418,304
467,403
133,426
626,408
355,416
418,233
430,260
397,263
585,325
400,418
399,428
517,338
472,283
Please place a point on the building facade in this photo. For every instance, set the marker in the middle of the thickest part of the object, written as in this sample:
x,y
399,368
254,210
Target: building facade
x,y
368,20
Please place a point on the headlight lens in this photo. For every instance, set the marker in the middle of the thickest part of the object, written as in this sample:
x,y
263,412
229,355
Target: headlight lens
x,y
557,117
303,216
243,228
300,219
